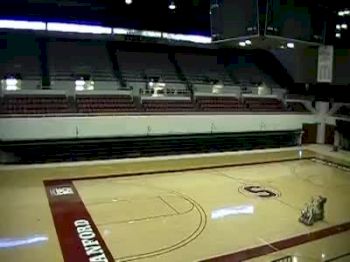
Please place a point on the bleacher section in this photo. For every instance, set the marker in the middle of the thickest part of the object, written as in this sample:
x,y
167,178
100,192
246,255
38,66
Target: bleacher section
x,y
119,103
246,71
219,104
168,105
140,66
297,107
34,104
19,56
68,60
263,104
203,69
105,103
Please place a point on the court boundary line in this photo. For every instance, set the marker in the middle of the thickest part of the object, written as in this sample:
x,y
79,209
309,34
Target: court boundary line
x,y
337,257
145,173
280,245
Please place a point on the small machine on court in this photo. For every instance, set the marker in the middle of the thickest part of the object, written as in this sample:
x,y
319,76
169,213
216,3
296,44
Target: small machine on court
x,y
313,211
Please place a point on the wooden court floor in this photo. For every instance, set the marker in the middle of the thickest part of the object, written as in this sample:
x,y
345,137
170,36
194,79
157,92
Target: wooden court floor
x,y
219,208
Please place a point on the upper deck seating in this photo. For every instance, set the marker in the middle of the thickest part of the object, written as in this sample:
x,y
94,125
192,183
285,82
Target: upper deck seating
x,y
69,60
203,69
20,58
140,66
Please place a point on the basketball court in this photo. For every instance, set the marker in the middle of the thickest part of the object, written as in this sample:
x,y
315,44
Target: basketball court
x,y
224,207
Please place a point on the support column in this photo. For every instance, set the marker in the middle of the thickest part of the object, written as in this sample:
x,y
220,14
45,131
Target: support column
x,y
322,109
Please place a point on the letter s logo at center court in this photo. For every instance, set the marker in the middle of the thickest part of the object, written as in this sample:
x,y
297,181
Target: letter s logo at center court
x,y
260,191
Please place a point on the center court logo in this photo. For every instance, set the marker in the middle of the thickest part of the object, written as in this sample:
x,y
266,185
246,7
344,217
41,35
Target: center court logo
x,y
259,191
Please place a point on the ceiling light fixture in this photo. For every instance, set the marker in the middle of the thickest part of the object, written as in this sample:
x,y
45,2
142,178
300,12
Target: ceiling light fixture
x,y
290,45
128,2
242,44
337,35
248,42
344,26
172,5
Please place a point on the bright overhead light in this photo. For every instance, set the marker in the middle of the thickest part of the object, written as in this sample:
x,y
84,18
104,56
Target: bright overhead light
x,y
77,28
120,31
341,13
26,25
290,45
151,34
337,27
189,38
242,44
11,81
337,35
128,2
248,42
346,12
172,5
344,26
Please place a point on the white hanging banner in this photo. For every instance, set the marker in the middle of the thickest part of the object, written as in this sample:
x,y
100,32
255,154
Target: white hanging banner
x,y
325,64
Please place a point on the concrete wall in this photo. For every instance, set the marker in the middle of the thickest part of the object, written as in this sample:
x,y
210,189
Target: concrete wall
x,y
16,129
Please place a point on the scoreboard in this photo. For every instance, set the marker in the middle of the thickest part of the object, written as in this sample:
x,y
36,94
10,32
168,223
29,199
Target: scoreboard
x,y
290,19
234,18
295,19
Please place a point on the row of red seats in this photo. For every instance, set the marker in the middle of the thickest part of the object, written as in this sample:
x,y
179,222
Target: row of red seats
x,y
107,110
59,104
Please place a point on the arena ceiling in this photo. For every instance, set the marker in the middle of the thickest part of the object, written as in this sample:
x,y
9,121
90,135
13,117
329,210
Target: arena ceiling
x,y
189,17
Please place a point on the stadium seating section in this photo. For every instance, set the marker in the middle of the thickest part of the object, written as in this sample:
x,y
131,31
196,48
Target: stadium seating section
x,y
111,68
257,104
168,105
35,104
140,66
68,60
17,60
203,69
104,103
297,107
219,104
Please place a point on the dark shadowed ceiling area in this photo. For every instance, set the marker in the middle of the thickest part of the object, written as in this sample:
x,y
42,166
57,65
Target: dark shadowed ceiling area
x,y
189,17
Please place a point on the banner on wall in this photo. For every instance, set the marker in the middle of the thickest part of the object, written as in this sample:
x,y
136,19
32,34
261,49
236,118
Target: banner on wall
x,y
325,64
